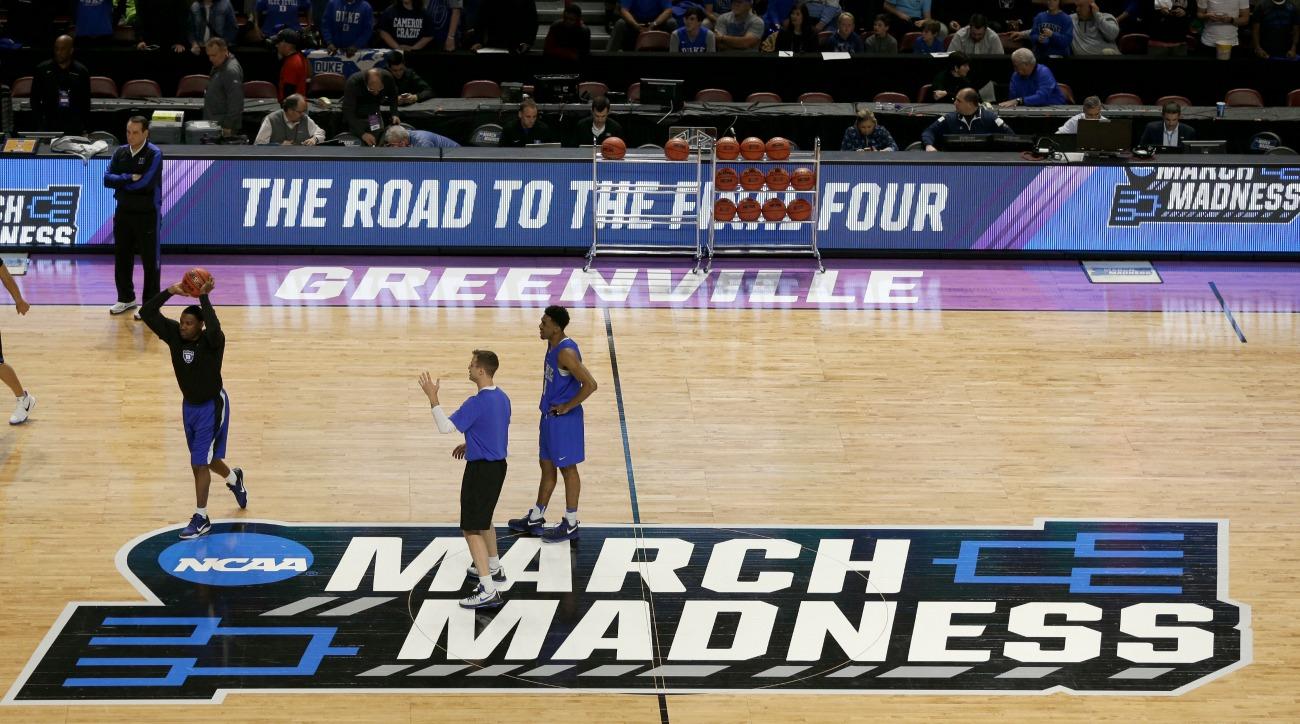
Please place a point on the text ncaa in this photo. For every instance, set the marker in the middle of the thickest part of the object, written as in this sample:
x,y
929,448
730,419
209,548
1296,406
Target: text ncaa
x,y
1116,607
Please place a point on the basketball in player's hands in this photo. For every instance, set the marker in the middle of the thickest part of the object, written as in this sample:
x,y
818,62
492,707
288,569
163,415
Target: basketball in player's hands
x,y
194,281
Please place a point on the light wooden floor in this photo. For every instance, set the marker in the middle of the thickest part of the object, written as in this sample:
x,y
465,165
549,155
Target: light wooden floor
x,y
888,417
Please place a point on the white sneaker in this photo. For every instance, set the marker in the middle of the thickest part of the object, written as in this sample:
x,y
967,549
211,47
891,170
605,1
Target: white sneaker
x,y
121,307
137,316
481,599
24,408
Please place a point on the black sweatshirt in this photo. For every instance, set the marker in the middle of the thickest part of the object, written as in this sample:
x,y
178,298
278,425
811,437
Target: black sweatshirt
x,y
198,363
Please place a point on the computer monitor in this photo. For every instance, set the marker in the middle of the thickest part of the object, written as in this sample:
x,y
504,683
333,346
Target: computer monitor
x,y
966,142
556,88
1204,147
1011,141
1111,136
662,92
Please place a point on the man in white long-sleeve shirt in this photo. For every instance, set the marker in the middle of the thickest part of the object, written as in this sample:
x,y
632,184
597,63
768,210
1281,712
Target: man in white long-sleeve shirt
x,y
289,126
1091,111
484,418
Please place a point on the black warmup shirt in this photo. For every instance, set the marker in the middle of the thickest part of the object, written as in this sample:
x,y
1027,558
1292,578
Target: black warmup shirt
x,y
198,363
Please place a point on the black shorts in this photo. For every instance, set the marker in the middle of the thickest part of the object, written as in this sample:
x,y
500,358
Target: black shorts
x,y
480,487
2,351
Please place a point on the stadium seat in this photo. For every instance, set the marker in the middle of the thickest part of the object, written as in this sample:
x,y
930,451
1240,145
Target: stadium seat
x,y
102,87
22,87
763,97
326,84
1067,91
488,134
1182,101
713,95
923,96
655,41
823,37
909,39
1244,97
1281,151
260,89
480,89
947,40
891,97
1292,98
915,146
634,93
1134,43
192,86
1123,99
816,97
141,88
592,89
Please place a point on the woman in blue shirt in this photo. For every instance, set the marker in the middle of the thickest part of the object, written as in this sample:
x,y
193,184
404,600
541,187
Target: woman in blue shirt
x,y
867,135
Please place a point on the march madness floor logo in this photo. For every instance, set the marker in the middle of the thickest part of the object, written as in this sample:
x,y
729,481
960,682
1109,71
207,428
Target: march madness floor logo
x,y
1109,607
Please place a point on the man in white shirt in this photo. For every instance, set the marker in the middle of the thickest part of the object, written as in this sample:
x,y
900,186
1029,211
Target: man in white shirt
x,y
289,126
1091,111
1222,18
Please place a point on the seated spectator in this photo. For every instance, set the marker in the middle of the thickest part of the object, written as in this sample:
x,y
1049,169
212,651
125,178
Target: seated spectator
x,y
880,42
277,15
976,38
967,119
1091,111
402,137
1168,24
1169,131
95,19
1032,84
411,88
364,96
713,10
289,126
693,37
1129,16
511,25
1275,28
823,13
845,39
595,128
637,15
1094,31
797,35
61,92
527,129
952,79
1052,33
406,26
211,19
161,24
347,25
293,67
1005,16
867,135
906,16
929,42
568,38
1222,18
223,101
740,29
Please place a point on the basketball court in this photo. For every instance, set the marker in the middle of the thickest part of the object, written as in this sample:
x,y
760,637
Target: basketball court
x,y
986,399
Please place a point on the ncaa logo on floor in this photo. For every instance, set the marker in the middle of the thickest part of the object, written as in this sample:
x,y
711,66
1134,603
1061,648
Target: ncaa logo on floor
x,y
236,559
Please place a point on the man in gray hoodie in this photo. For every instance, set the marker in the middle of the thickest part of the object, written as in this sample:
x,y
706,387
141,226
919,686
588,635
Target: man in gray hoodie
x,y
1094,31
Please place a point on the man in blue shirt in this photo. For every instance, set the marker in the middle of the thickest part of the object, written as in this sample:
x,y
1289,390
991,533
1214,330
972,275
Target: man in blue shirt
x,y
347,24
967,119
1032,84
280,15
96,18
401,137
1053,32
484,419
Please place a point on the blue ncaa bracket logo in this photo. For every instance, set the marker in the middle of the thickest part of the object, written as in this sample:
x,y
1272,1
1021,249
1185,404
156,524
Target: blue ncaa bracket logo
x,y
1076,606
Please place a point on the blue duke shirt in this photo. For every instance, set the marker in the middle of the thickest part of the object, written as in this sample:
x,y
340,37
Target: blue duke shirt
x,y
558,386
485,421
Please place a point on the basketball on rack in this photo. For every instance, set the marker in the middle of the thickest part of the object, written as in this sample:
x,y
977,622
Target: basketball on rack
x,y
726,179
778,149
727,148
751,149
613,148
751,179
778,179
724,210
677,149
800,210
774,209
803,179
748,209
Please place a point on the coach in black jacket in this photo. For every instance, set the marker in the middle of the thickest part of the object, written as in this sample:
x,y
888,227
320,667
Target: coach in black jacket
x,y
135,175
967,120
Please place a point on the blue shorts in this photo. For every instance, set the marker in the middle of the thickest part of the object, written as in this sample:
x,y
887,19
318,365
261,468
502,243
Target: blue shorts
x,y
560,438
206,427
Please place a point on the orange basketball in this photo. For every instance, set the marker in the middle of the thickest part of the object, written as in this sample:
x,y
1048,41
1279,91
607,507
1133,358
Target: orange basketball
x,y
778,149
802,179
751,179
748,209
778,179
193,281
727,149
726,179
800,210
724,210
751,149
613,148
677,149
774,209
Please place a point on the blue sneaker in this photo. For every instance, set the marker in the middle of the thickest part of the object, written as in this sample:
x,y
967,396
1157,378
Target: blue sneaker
x,y
241,495
481,599
498,573
197,527
531,526
563,531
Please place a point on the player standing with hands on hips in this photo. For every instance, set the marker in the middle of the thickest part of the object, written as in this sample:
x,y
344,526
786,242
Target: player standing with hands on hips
x,y
484,419
566,383
197,347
